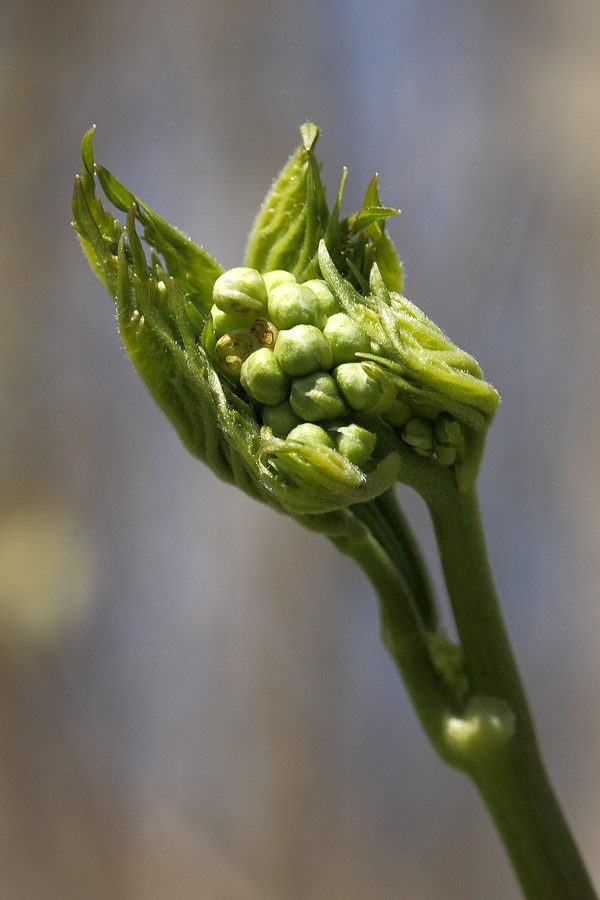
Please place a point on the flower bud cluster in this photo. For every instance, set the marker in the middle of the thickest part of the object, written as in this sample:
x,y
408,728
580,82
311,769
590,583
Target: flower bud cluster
x,y
309,368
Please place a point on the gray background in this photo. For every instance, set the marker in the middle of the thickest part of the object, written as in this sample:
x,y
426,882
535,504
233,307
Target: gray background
x,y
194,702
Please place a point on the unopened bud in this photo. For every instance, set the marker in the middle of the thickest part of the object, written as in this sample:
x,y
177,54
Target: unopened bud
x,y
280,418
355,443
232,349
418,433
240,291
277,277
317,397
302,349
345,338
294,304
263,378
365,387
308,433
223,322
398,414
327,301
448,438
264,332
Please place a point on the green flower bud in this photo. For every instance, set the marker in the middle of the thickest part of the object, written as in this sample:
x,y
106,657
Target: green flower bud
x,y
446,455
307,433
280,418
224,322
345,338
327,301
419,434
262,377
365,386
317,397
447,431
302,349
448,439
355,443
398,414
294,304
241,291
264,332
277,277
232,349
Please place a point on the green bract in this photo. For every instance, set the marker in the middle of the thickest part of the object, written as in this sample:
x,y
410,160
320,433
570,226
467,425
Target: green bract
x,y
312,328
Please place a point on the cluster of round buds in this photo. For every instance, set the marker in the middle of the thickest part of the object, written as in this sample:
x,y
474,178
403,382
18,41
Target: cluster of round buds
x,y
308,367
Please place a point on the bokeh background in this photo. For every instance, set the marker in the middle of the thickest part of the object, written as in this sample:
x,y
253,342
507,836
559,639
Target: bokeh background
x,y
194,701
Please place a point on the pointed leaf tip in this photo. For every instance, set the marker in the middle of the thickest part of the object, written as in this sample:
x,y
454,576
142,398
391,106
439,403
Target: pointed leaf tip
x,y
87,150
371,197
309,133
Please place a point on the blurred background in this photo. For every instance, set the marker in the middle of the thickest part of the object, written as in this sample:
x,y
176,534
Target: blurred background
x,y
194,700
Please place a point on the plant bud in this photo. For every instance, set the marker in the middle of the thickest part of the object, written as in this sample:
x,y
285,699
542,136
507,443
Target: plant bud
x,y
365,387
223,322
327,301
241,291
192,330
317,397
447,431
264,332
263,378
419,434
232,349
294,304
277,277
355,443
302,349
448,438
398,414
345,338
280,418
307,433
445,455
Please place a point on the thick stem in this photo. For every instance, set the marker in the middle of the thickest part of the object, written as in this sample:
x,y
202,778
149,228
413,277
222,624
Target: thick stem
x,y
510,776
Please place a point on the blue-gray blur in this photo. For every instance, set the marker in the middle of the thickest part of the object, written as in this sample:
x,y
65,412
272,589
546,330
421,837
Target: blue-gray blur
x,y
194,701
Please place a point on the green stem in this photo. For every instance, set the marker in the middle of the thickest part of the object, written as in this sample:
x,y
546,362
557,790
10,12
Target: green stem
x,y
401,624
389,527
510,775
